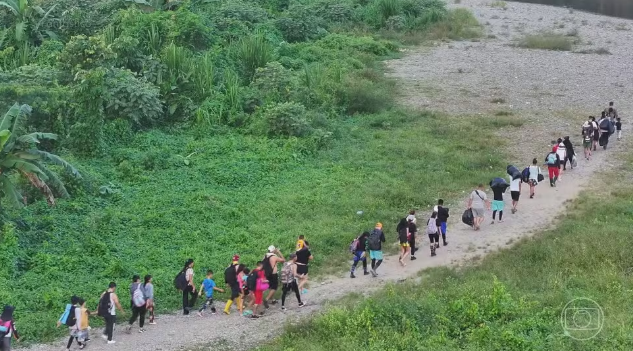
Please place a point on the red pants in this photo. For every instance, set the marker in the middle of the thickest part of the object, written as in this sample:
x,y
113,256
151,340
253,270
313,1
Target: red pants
x,y
553,172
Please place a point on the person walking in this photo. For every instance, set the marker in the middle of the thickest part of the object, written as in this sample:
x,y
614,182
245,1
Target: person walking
x,y
304,256
189,294
498,186
208,286
571,154
83,323
561,151
271,260
403,237
289,281
515,193
442,219
148,287
69,319
618,127
605,130
108,303
138,305
374,244
7,327
586,144
359,253
261,285
231,275
413,230
612,113
553,166
476,202
595,133
433,232
534,177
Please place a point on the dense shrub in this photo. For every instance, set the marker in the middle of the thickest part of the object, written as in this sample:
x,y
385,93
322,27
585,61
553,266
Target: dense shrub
x,y
286,119
275,83
131,98
85,53
299,24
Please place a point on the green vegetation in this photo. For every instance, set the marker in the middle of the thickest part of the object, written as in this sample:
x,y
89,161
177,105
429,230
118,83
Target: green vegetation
x,y
493,306
206,128
547,41
500,4
598,51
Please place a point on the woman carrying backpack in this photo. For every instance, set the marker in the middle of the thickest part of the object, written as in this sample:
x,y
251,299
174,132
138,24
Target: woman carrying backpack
x,y
553,166
7,328
432,231
139,305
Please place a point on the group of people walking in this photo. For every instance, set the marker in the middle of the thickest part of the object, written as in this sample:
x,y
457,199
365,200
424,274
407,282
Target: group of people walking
x,y
252,291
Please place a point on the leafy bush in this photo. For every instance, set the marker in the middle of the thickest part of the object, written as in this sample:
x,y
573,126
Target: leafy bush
x,y
360,95
459,24
130,98
299,24
275,83
85,53
286,119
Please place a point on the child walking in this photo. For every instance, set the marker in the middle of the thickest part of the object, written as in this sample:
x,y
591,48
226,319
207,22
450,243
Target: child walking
x,y
618,127
432,231
208,287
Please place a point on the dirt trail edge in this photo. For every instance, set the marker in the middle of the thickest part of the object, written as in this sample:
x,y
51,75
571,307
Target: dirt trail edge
x,y
177,332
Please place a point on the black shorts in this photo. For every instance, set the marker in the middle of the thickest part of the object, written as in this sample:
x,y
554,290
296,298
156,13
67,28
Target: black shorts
x,y
515,195
302,269
596,136
273,281
235,291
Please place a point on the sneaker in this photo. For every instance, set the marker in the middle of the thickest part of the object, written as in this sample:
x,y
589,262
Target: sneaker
x,y
445,243
226,312
141,330
351,275
433,254
104,337
373,273
283,308
81,347
110,342
493,222
266,304
437,245
413,258
304,291
302,304
365,273
254,316
273,302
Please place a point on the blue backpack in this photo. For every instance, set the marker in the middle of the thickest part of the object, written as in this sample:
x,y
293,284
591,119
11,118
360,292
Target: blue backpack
x,y
551,159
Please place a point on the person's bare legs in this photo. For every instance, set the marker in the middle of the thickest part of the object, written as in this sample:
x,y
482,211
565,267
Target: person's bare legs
x,y
404,255
302,282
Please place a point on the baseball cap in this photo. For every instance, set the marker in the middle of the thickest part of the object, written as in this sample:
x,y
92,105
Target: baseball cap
x,y
236,257
271,248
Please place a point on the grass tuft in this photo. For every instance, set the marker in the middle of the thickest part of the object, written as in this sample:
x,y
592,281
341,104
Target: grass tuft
x,y
598,51
547,41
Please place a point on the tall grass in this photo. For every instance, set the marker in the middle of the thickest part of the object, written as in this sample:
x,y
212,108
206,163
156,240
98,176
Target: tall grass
x,y
388,8
459,24
203,74
253,52
154,39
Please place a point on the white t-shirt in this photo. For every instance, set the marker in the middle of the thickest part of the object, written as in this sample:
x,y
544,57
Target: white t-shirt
x,y
534,172
478,198
561,151
515,185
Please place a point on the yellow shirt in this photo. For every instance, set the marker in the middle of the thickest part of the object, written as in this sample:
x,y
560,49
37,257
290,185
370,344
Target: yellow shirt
x,y
300,244
83,323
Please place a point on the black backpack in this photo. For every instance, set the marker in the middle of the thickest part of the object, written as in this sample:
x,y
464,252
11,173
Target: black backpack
x,y
374,240
71,320
229,275
180,282
268,268
251,281
104,305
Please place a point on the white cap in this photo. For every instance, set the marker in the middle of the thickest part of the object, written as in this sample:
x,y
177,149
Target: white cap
x,y
271,248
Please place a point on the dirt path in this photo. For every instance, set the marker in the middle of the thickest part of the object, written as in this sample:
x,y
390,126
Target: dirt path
x,y
484,77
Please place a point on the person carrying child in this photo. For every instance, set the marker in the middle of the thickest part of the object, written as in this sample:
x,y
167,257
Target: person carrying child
x,y
208,286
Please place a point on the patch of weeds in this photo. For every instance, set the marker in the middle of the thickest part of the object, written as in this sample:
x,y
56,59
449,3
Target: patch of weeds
x,y
496,122
460,24
503,113
573,32
499,4
498,100
622,26
598,51
492,36
546,41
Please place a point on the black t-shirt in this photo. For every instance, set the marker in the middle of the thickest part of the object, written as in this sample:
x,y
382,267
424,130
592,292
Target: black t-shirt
x,y
497,194
442,214
618,125
303,256
413,228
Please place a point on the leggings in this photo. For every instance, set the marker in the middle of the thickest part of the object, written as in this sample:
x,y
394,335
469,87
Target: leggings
x,y
109,326
286,288
187,301
494,213
206,304
358,256
375,264
138,312
412,243
5,344
70,342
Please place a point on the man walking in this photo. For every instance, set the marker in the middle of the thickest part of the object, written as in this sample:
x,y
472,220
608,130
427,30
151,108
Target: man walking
x,y
374,243
553,166
476,202
515,193
272,258
108,303
442,218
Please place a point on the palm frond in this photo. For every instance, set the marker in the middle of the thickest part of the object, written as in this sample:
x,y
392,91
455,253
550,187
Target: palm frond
x,y
35,137
10,191
4,137
11,161
39,23
12,115
55,183
56,160
11,5
25,110
42,186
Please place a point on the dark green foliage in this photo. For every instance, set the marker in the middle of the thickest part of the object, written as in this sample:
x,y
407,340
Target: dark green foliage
x,y
286,119
128,97
299,24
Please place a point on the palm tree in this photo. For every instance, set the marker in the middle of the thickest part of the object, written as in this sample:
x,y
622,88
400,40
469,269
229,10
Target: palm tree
x,y
19,156
28,20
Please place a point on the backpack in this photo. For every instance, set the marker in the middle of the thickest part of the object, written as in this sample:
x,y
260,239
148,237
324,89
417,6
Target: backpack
x,y
587,130
230,276
180,282
353,247
138,298
105,303
286,274
525,175
71,320
268,268
611,128
551,159
5,327
251,281
374,240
